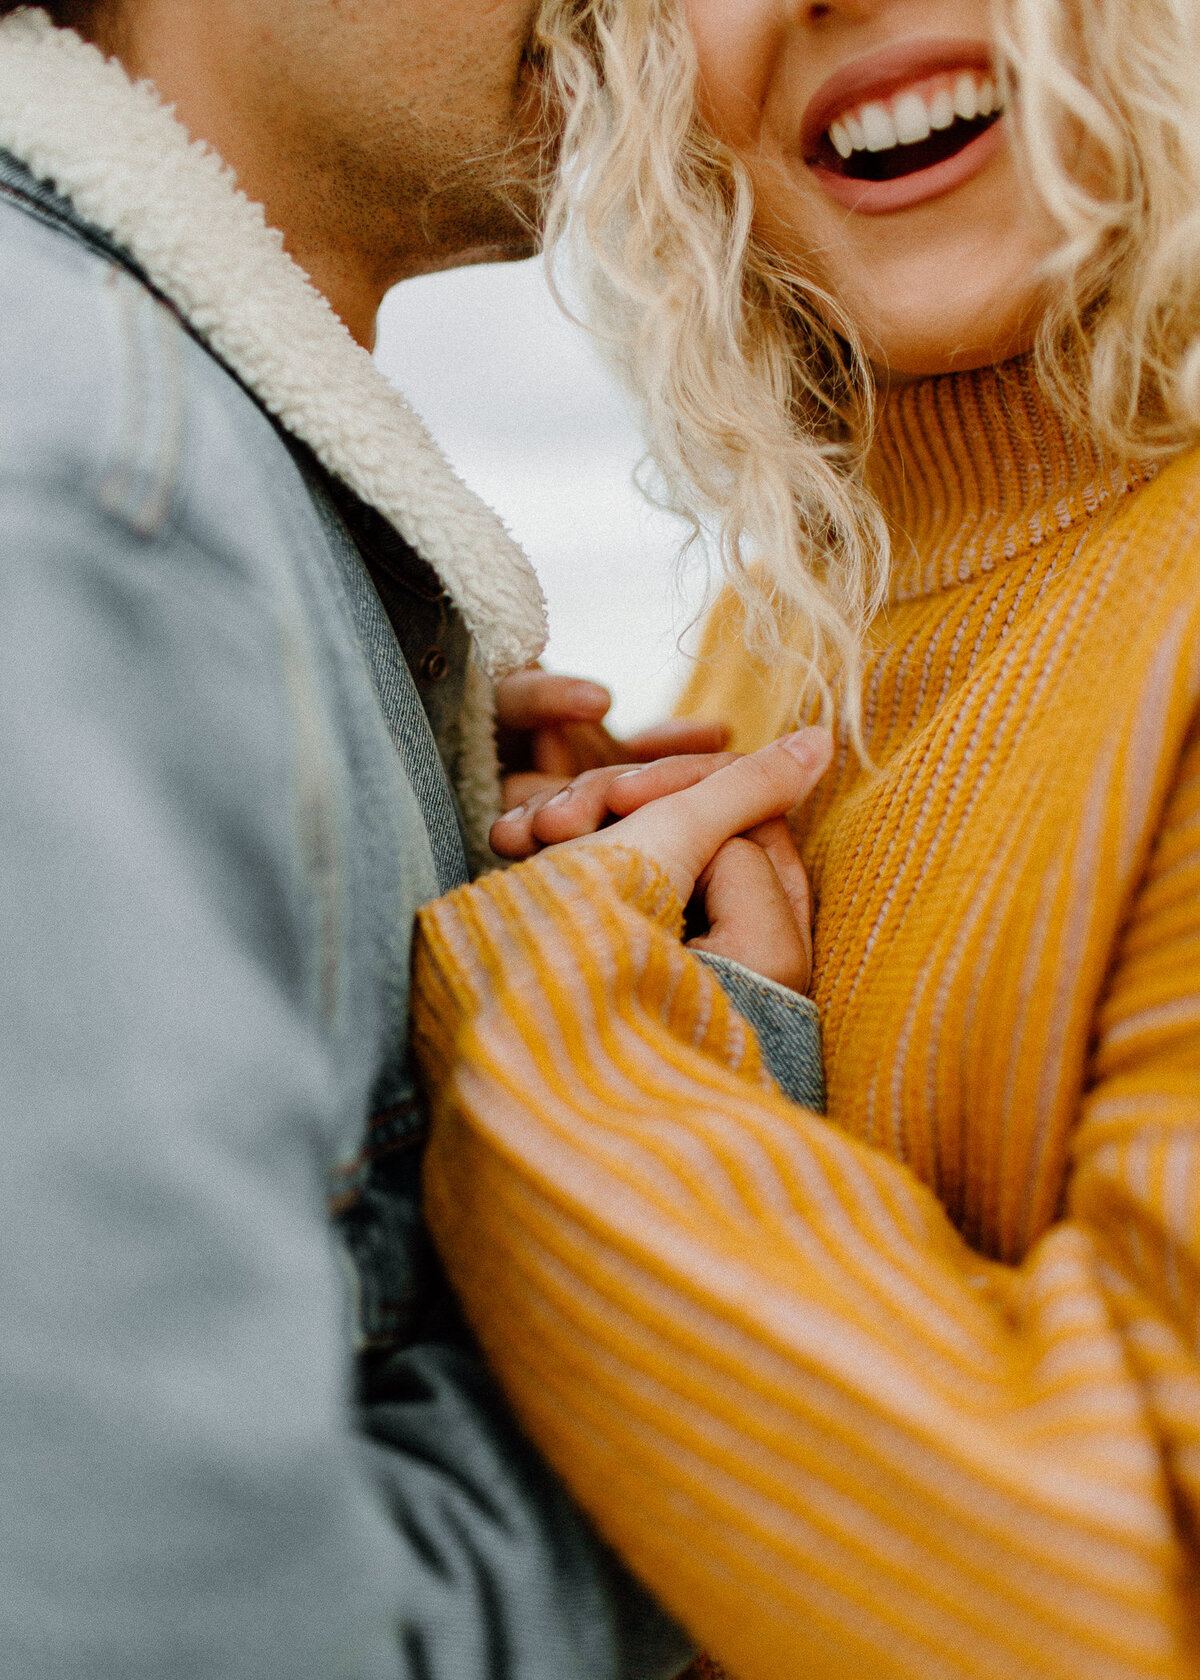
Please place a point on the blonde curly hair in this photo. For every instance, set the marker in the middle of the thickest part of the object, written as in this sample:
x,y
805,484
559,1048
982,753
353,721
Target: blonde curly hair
x,y
757,399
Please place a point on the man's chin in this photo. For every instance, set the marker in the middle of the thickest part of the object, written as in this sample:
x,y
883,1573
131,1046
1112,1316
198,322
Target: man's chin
x,y
467,222
516,249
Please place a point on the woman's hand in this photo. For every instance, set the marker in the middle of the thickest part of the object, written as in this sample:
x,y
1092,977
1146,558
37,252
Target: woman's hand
x,y
551,728
558,810
714,822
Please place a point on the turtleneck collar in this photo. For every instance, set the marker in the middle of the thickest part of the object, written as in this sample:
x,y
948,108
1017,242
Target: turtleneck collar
x,y
974,469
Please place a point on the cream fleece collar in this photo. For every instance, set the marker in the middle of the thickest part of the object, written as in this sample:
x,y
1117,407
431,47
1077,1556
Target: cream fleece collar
x,y
117,153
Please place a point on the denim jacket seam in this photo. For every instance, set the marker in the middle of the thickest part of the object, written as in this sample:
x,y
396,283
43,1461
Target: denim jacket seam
x,y
143,477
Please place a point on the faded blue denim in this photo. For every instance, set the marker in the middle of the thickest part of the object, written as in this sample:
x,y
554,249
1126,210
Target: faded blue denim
x,y
788,1028
220,806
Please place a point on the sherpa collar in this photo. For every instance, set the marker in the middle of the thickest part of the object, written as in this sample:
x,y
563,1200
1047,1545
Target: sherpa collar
x,y
118,154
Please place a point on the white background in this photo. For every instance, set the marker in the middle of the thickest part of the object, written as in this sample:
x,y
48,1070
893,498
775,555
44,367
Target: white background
x,y
519,401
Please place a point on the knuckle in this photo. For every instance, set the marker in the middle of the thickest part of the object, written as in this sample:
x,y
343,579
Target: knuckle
x,y
758,775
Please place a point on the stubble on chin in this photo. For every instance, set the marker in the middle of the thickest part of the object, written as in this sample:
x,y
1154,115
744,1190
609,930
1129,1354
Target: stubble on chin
x,y
490,206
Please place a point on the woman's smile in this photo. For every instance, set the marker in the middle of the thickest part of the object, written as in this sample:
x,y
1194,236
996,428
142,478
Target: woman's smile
x,y
904,125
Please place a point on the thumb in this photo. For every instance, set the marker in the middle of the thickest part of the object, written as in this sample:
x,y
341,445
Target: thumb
x,y
683,831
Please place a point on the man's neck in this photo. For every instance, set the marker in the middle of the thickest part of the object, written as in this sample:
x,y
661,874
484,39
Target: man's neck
x,y
336,122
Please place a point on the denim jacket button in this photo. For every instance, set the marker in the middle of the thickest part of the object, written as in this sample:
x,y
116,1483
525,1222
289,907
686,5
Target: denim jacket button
x,y
434,666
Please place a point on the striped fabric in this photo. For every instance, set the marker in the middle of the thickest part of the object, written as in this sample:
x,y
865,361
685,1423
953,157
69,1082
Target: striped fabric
x,y
914,1390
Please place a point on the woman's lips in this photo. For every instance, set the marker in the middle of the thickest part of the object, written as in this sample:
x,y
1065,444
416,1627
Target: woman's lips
x,y
881,198
880,74
920,84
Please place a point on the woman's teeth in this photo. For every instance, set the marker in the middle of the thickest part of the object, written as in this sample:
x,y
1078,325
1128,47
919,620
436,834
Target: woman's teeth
x,y
910,117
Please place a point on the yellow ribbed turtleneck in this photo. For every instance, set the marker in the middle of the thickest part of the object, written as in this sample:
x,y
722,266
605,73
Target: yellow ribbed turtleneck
x,y
913,1390
977,470
981,484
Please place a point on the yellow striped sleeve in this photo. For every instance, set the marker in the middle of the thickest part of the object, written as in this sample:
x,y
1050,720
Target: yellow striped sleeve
x,y
829,1435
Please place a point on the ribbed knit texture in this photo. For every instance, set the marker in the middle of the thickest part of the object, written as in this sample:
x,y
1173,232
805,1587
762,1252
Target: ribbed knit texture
x,y
915,1390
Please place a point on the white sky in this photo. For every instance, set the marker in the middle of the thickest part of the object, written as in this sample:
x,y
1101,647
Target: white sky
x,y
517,398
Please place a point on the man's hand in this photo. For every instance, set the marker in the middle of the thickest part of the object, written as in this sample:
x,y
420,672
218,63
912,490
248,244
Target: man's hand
x,y
551,728
715,822
756,900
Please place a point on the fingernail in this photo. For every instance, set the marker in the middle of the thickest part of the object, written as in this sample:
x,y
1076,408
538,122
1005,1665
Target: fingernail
x,y
588,696
626,774
511,816
560,798
808,746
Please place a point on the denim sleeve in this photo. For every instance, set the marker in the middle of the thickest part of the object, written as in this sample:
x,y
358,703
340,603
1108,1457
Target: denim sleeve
x,y
787,1025
184,1491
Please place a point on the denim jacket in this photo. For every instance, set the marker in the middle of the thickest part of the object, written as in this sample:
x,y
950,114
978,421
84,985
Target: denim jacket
x,y
242,1430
